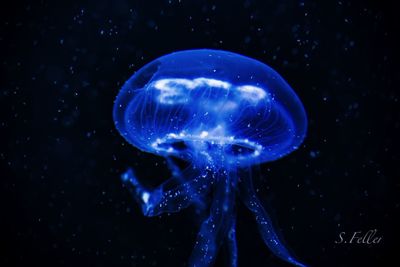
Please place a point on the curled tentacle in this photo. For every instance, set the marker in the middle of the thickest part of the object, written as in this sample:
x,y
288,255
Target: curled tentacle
x,y
162,200
267,231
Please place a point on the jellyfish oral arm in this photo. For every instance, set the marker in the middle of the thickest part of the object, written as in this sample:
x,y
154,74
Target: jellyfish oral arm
x,y
220,225
268,233
176,172
161,200
232,243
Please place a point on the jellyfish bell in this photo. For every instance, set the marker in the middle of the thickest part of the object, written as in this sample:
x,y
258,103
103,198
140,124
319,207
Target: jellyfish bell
x,y
220,111
206,103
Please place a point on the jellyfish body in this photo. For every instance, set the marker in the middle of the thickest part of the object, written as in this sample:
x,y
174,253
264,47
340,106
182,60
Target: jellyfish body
x,y
222,112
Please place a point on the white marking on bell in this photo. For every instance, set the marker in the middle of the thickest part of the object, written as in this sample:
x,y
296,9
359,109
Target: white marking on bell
x,y
203,134
172,135
251,92
171,84
211,83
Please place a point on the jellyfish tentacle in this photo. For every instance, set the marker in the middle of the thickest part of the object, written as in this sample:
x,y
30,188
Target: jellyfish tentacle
x,y
215,227
178,174
232,243
231,233
267,231
174,168
162,200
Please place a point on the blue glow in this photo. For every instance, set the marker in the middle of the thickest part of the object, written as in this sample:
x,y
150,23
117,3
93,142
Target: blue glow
x,y
222,112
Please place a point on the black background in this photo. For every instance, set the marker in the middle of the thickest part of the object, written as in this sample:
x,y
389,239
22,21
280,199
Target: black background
x,y
62,65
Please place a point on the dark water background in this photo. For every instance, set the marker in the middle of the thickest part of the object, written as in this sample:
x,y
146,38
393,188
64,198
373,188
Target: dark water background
x,y
62,64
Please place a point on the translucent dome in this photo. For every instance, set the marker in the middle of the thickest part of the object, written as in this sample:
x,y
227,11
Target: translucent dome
x,y
210,103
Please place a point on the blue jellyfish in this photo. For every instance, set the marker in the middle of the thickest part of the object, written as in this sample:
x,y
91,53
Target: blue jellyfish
x,y
221,113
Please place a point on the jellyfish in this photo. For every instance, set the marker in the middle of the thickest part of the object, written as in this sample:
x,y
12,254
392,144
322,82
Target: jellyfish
x,y
221,113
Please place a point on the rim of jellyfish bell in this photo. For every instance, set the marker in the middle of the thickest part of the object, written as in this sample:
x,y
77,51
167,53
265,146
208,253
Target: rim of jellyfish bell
x,y
233,149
